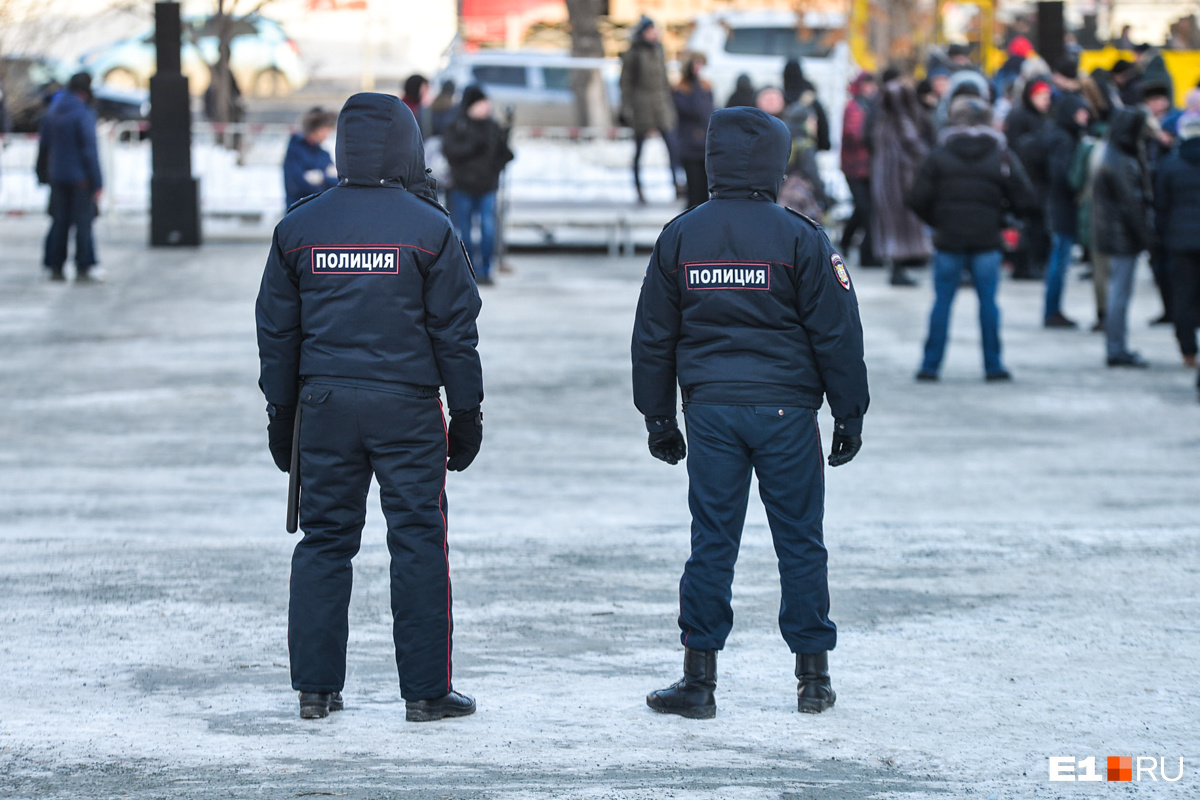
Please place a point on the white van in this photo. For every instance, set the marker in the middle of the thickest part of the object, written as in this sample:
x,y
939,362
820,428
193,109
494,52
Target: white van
x,y
759,43
536,84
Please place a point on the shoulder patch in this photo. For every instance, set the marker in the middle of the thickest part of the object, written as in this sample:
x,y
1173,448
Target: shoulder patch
x,y
806,218
839,271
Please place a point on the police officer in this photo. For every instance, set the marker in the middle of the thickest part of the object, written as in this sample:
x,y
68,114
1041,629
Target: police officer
x,y
749,308
368,305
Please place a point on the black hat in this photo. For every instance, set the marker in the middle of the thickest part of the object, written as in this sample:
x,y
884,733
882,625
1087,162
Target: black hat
x,y
472,95
957,50
1122,66
1156,87
1067,67
80,83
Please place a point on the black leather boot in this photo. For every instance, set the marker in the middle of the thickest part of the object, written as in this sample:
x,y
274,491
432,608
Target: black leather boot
x,y
691,697
450,705
317,705
814,693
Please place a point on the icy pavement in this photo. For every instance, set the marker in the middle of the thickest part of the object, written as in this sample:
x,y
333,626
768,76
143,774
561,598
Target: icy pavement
x,y
1014,568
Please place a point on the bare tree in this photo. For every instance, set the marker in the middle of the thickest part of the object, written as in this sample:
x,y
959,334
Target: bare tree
x,y
225,16
592,107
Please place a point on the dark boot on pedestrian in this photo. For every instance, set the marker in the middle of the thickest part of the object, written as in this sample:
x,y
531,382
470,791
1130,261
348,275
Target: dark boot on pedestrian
x,y
814,692
454,704
693,697
317,705
1058,320
900,277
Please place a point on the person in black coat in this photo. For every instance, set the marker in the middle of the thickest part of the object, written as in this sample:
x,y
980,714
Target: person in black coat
x,y
693,99
1071,116
1025,131
962,190
799,89
749,309
367,306
1122,224
743,93
476,147
1177,203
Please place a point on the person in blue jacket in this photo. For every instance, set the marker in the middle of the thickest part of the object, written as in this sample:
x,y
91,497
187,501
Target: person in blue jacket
x,y
307,167
747,308
368,305
68,160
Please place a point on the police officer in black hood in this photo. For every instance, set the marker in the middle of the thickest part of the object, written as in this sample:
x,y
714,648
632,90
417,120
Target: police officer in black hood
x,y
748,308
367,306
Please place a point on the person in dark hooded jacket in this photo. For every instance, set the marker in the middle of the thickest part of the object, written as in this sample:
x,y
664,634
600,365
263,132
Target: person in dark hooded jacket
x,y
476,147
68,160
1025,130
749,310
743,93
367,306
962,190
1122,224
1071,117
1177,201
799,89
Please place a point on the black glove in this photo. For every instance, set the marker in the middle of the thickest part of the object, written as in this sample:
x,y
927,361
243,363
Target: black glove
x,y
281,420
844,449
466,435
666,443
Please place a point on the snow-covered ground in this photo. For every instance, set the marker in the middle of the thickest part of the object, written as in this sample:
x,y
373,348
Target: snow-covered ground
x,y
1014,568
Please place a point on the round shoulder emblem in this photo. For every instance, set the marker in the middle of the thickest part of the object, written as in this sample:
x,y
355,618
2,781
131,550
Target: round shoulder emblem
x,y
839,269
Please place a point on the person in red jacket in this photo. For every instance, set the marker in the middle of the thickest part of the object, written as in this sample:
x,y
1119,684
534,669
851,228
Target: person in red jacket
x,y
856,165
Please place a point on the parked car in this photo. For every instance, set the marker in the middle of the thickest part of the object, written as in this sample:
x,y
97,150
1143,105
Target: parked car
x,y
30,81
537,84
264,60
759,43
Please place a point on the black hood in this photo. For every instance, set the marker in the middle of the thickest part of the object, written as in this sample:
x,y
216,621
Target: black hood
x,y
746,153
1027,92
1125,129
379,143
1064,113
972,143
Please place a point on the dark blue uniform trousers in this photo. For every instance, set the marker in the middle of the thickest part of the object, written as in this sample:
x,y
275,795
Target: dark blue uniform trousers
x,y
350,430
782,445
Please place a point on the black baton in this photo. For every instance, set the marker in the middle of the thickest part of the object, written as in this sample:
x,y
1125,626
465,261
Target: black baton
x,y
293,500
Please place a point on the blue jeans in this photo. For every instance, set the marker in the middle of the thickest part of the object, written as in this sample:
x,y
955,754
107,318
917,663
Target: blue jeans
x,y
1120,291
947,274
783,448
71,206
1056,272
464,209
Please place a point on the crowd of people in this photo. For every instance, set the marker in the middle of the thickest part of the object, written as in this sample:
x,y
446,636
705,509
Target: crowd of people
x,y
1035,167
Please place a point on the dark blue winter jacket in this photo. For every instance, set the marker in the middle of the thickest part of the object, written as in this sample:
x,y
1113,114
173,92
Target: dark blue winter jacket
x,y
368,280
746,302
307,169
1177,198
68,139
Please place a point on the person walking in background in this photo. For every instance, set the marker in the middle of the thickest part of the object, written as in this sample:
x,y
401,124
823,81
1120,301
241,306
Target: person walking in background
x,y
693,99
307,166
963,189
1122,225
68,160
1025,132
856,165
441,110
1159,142
646,97
1177,201
476,148
416,97
799,89
743,93
901,137
1071,118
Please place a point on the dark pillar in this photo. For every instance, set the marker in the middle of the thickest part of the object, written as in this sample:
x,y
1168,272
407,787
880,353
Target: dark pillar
x,y
1051,31
174,193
